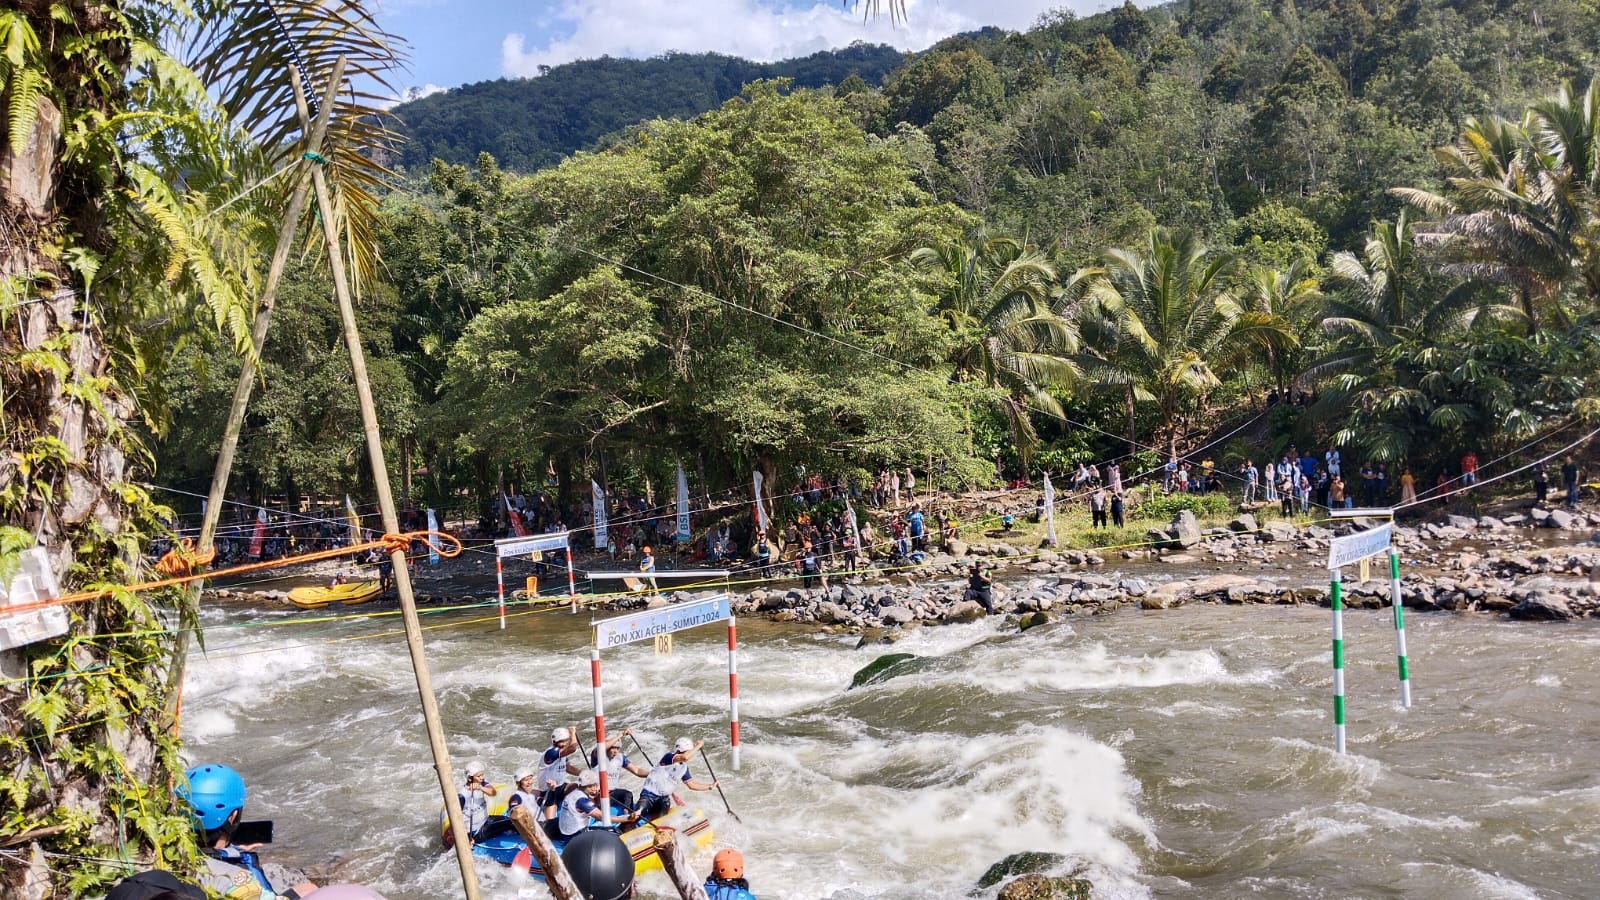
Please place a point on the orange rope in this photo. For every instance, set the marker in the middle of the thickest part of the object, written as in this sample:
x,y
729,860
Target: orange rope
x,y
393,543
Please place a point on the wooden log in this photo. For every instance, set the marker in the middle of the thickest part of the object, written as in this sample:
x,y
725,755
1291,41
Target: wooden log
x,y
556,876
676,864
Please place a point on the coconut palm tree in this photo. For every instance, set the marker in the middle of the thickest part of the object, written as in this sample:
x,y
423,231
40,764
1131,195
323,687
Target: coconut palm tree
x,y
1165,323
137,191
1293,299
1001,302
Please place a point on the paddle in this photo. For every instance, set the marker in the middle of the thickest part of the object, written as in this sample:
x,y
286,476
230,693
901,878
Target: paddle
x,y
719,787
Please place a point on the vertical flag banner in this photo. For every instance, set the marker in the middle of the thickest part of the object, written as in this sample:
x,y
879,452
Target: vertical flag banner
x,y
259,536
353,519
513,517
433,551
684,532
762,525
850,518
601,539
1049,510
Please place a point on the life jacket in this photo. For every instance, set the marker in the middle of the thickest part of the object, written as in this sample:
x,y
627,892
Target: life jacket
x,y
247,860
728,889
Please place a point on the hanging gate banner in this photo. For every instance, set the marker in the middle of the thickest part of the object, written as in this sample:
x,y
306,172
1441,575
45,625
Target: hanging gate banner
x,y
433,551
1049,509
684,531
619,630
762,525
1342,551
601,539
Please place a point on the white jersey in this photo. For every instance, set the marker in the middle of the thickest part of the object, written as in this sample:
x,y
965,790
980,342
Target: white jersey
x,y
574,813
615,765
555,770
666,776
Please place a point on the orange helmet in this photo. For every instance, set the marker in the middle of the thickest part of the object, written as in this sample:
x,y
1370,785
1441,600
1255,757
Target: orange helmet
x,y
728,864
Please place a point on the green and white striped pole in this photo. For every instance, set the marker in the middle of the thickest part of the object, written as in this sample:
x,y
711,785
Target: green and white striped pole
x,y
1399,626
1337,602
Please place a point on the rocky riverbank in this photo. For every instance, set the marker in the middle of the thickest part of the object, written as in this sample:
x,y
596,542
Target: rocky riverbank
x,y
1484,564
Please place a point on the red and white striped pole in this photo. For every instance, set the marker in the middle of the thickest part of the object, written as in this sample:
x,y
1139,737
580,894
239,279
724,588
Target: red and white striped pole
x,y
733,688
572,581
500,584
600,737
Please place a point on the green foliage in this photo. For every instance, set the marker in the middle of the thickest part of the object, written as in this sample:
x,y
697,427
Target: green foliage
x,y
530,123
1162,507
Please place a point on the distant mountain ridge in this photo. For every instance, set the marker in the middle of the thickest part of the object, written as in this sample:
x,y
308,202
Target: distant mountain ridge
x,y
530,123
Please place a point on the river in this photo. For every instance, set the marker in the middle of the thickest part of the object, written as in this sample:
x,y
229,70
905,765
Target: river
x,y
1182,753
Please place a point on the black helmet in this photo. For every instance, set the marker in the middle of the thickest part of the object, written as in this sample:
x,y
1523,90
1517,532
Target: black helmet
x,y
600,864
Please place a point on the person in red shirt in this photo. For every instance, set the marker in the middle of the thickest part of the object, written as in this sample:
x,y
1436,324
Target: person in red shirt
x,y
1469,468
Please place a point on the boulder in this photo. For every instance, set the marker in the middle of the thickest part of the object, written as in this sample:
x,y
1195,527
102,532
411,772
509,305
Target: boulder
x,y
1542,605
1133,587
1465,523
1031,862
882,669
1243,524
1041,887
1033,620
957,548
829,613
1160,601
896,615
1278,530
1185,529
1178,558
965,611
1560,518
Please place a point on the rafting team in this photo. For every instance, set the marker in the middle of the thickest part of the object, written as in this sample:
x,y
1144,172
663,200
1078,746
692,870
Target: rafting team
x,y
598,860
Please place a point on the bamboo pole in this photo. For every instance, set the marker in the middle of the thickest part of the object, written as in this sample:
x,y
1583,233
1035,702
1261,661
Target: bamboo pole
x,y
391,525
556,876
676,864
242,389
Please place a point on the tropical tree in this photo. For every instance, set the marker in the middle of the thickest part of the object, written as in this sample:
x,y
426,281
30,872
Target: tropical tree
x,y
1001,303
1522,204
1164,323
1293,299
136,192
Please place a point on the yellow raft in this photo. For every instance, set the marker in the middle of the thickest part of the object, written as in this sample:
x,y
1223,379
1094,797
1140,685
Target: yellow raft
x,y
349,594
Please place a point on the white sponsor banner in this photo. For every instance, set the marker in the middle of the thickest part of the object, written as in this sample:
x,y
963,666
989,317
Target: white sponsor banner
x,y
1342,551
600,535
619,630
522,546
684,532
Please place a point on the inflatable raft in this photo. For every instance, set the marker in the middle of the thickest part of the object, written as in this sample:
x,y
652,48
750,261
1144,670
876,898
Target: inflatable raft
x,y
349,594
498,838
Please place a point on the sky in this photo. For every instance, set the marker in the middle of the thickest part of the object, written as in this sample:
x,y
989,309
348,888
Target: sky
x,y
455,42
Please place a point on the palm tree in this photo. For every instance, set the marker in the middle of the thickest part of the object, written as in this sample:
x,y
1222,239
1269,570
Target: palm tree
x,y
999,299
137,195
1522,207
1294,300
1164,323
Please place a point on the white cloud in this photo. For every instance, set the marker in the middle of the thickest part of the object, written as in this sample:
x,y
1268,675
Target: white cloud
x,y
748,28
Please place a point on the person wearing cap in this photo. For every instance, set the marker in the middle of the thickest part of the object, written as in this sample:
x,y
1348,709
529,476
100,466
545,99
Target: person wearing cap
x,y
727,881
526,794
655,798
618,762
474,797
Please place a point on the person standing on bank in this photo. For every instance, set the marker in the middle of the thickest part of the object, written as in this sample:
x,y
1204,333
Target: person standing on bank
x,y
1116,508
980,583
1569,480
1541,482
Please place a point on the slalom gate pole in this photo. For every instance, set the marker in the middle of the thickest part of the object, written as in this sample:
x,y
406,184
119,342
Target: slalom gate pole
x,y
733,690
1399,627
601,767
500,586
1336,601
572,581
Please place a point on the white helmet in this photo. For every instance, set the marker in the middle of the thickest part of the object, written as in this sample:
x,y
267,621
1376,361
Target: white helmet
x,y
560,734
475,768
588,778
682,745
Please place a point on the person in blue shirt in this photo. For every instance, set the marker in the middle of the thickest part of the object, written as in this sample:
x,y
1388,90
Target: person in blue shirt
x,y
914,523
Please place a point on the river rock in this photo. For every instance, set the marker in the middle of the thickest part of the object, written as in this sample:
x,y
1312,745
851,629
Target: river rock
x,y
896,615
1042,887
1185,529
1560,518
1027,863
1542,605
964,611
1278,530
956,548
1160,601
882,669
1245,523
829,613
1033,620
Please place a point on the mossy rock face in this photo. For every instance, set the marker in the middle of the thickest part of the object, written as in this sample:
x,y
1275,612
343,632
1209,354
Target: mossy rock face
x,y
883,668
1041,887
1020,864
1033,620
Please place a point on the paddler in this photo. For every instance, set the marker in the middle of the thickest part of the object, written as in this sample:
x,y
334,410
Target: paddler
x,y
617,762
582,807
215,795
527,792
474,797
647,568
655,798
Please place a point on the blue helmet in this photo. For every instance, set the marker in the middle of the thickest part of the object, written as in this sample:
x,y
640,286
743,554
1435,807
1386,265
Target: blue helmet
x,y
213,791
